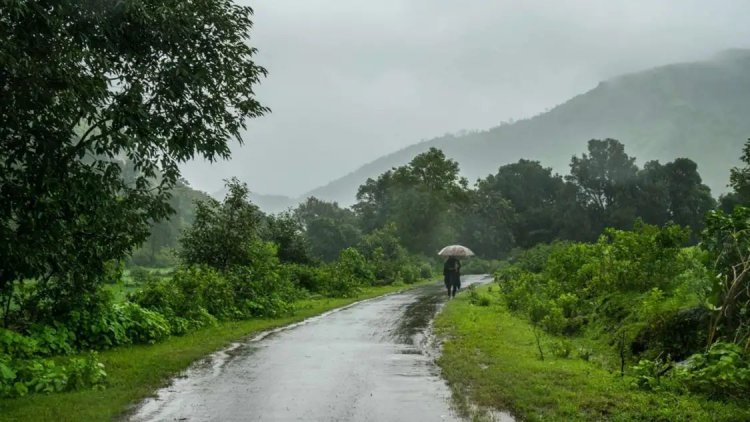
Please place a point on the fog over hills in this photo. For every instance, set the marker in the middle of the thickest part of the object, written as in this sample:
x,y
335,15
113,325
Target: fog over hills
x,y
697,110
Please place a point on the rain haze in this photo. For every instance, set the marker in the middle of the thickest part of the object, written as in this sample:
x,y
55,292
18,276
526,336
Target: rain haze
x,y
351,81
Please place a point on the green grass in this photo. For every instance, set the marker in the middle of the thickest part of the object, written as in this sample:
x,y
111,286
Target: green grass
x,y
490,359
136,371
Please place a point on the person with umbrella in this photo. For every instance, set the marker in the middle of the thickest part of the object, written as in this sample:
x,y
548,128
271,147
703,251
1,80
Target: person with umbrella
x,y
452,267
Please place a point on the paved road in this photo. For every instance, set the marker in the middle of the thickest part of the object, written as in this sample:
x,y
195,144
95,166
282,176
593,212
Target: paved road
x,y
369,362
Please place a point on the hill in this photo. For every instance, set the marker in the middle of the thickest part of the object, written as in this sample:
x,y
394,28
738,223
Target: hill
x,y
697,110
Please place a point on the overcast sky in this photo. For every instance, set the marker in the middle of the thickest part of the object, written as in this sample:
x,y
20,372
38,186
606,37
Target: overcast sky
x,y
351,80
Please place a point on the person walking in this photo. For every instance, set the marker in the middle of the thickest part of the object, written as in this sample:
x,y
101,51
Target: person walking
x,y
452,275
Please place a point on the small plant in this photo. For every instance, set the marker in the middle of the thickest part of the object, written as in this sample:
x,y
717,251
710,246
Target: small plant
x,y
479,299
537,331
648,373
584,354
561,349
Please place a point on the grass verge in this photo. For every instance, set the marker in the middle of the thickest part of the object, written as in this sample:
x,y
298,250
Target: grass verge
x,y
490,360
135,372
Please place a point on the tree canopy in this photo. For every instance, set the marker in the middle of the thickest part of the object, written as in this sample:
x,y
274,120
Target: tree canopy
x,y
88,85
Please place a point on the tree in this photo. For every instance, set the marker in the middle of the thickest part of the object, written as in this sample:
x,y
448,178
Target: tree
x,y
739,177
606,182
673,192
86,85
328,229
534,194
739,180
689,198
223,234
653,194
420,198
287,233
488,224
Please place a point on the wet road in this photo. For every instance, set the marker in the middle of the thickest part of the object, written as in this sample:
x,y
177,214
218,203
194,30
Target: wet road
x,y
372,361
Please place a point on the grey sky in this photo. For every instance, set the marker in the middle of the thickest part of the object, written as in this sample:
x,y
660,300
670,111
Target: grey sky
x,y
351,80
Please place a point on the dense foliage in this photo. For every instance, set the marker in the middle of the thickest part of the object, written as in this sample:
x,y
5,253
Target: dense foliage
x,y
87,85
647,299
525,204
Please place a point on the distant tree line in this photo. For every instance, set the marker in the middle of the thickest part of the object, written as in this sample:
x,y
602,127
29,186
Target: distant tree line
x,y
521,205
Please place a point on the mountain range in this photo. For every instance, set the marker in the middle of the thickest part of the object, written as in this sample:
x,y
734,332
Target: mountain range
x,y
699,110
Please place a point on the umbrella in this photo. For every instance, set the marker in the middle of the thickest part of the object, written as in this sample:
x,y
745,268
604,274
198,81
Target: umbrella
x,y
456,250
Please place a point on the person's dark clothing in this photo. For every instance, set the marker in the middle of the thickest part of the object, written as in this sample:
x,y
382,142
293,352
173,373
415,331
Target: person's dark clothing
x,y
452,275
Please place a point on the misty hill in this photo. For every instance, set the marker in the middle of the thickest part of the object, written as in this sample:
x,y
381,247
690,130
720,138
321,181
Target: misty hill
x,y
698,110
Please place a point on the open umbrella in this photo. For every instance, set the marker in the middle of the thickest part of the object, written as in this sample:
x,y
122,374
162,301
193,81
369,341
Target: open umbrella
x,y
456,250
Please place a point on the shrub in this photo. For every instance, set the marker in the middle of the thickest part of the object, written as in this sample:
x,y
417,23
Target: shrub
x,y
17,345
479,266
140,275
97,329
722,371
21,377
85,372
305,277
347,275
52,340
262,290
384,251
354,264
648,374
409,273
425,271
561,349
584,353
141,325
185,299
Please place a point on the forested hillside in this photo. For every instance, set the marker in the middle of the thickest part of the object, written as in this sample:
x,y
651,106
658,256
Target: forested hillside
x,y
680,110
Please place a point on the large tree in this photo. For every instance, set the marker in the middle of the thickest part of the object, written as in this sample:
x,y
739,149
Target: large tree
x,y
328,228
535,195
420,198
88,84
606,180
673,192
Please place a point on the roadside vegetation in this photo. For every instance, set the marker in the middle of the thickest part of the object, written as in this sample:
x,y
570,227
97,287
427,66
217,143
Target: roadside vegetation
x,y
491,361
135,372
635,326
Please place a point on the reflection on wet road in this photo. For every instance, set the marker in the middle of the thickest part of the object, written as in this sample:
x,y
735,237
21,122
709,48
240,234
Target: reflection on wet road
x,y
368,362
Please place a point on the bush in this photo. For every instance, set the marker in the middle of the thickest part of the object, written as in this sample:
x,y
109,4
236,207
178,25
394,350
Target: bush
x,y
561,349
648,374
409,274
17,345
86,372
52,340
305,277
631,282
183,299
584,353
141,325
21,377
477,298
384,251
354,265
480,266
261,289
723,371
97,329
425,271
